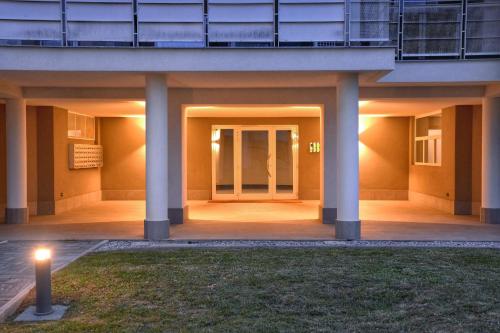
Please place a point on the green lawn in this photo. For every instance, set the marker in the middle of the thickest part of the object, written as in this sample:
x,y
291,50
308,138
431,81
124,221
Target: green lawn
x,y
278,290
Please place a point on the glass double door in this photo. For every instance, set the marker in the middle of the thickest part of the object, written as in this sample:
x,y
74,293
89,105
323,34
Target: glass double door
x,y
254,162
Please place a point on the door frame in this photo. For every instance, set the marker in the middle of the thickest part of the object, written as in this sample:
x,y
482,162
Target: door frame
x,y
237,162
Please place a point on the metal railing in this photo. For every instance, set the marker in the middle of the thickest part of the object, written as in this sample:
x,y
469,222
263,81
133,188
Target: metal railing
x,y
417,29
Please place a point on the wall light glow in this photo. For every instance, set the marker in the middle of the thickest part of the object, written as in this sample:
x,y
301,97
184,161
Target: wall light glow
x,y
140,103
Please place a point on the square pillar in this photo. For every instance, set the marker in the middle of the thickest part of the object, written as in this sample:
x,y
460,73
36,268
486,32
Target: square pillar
x,y
175,163
329,193
490,158
16,211
156,225
347,225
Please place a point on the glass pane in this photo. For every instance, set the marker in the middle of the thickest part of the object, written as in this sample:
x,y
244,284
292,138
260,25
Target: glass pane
x,y
438,151
428,126
431,150
419,151
80,125
90,128
426,151
284,161
255,162
223,148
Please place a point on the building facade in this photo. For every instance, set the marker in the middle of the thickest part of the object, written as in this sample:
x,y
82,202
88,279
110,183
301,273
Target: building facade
x,y
171,101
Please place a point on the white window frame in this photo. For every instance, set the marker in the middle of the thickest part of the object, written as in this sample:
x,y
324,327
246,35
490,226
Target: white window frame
x,y
272,194
428,138
85,130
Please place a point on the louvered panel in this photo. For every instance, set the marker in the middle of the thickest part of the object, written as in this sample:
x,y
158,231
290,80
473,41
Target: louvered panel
x,y
432,28
99,21
311,21
374,21
483,27
240,21
238,32
168,22
30,20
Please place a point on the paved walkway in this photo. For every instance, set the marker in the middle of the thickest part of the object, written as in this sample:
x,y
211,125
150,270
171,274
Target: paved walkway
x,y
381,220
17,267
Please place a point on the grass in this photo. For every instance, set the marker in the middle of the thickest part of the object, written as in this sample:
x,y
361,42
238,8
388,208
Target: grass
x,y
278,290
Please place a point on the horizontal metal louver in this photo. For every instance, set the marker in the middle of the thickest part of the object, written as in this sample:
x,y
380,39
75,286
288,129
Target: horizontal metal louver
x,y
483,27
311,21
171,22
432,28
100,20
30,20
241,21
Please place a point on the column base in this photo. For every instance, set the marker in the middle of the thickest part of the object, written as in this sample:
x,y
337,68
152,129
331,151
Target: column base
x,y
348,230
176,215
328,215
16,215
156,230
490,215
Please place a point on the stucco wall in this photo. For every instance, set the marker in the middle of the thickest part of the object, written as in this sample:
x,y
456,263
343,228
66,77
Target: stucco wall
x,y
70,183
454,185
32,158
437,181
476,158
384,157
383,163
199,158
124,171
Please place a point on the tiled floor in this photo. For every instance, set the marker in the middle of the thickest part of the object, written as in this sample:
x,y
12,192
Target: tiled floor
x,y
381,220
17,266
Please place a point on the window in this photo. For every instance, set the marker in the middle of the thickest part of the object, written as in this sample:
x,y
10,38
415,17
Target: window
x,y
428,140
81,126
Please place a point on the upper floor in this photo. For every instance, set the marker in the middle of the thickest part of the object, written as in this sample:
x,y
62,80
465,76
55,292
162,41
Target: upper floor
x,y
416,29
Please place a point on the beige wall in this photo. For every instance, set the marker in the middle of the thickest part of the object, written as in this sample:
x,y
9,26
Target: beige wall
x,y
476,159
199,158
383,165
45,165
438,181
384,158
70,183
454,185
32,159
124,171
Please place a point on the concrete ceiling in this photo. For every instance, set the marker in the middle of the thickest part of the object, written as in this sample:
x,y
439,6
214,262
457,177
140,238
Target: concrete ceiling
x,y
120,108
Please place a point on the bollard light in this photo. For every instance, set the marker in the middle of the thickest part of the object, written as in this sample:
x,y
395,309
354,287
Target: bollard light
x,y
43,282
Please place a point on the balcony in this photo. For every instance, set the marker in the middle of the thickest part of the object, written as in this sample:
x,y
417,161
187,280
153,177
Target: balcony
x,y
416,29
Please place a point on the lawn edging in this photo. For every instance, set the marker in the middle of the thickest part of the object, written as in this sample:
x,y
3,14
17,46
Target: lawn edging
x,y
120,245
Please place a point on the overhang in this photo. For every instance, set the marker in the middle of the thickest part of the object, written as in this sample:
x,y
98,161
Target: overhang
x,y
196,60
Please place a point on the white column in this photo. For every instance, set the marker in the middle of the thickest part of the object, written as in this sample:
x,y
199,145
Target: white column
x,y
17,172
490,166
156,225
347,225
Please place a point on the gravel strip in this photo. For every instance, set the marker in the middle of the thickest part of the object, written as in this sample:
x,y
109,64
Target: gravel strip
x,y
138,245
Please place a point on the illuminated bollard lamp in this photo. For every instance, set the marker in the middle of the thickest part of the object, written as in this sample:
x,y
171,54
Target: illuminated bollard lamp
x,y
43,284
43,309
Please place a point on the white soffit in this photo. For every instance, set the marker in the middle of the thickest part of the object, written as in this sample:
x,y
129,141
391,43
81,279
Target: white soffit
x,y
261,111
124,108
